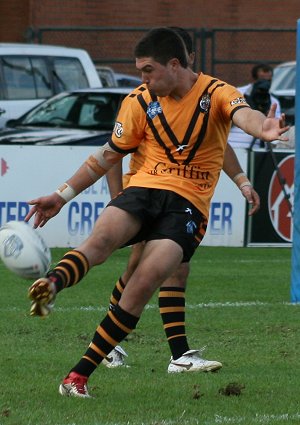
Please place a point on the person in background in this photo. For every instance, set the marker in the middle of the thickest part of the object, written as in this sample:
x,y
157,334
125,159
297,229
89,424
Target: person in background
x,y
258,96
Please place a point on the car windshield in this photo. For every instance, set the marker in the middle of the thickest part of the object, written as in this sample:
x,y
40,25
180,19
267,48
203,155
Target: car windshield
x,y
284,78
91,111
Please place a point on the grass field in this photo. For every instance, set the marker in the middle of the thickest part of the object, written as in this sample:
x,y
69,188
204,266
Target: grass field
x,y
238,305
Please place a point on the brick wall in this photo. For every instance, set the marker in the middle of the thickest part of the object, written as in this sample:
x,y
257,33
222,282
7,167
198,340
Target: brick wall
x,y
16,16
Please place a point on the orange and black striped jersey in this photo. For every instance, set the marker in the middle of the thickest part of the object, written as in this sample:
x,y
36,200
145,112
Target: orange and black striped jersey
x,y
178,145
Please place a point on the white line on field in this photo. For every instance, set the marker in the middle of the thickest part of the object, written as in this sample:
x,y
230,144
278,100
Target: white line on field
x,y
234,304
218,419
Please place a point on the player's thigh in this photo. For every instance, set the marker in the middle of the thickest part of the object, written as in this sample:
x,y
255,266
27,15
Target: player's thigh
x,y
113,229
135,256
159,260
179,278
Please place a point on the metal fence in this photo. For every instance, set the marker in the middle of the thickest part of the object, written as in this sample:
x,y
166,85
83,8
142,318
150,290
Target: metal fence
x,y
228,53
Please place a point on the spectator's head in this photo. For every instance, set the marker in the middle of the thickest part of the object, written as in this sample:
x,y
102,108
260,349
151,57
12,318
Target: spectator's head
x,y
262,71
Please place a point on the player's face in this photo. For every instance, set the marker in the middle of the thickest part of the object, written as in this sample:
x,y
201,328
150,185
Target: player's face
x,y
160,79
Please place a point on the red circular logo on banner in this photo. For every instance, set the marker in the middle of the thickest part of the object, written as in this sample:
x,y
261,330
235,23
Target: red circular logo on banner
x,y
281,199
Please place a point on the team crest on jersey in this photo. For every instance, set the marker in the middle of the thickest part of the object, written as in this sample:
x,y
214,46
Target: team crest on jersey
x,y
153,109
191,227
205,103
118,129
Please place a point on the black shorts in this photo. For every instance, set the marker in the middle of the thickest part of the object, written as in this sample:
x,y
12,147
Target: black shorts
x,y
164,215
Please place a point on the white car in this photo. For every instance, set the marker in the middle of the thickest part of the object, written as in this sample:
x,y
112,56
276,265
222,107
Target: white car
x,y
78,117
31,73
284,88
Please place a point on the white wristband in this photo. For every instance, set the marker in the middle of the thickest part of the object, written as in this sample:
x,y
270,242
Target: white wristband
x,y
245,184
237,176
66,192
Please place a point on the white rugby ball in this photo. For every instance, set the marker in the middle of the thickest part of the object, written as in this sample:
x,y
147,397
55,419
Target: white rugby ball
x,y
23,250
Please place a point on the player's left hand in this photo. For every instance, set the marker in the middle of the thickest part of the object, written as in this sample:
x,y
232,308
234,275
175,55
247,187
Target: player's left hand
x,y
253,199
273,128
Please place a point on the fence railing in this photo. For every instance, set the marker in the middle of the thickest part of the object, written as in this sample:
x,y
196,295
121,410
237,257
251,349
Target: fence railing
x,y
228,53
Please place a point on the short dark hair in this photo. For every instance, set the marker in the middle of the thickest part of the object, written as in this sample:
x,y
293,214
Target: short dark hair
x,y
162,44
187,39
260,67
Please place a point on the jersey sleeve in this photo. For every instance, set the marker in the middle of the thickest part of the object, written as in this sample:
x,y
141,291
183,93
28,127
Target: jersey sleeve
x,y
232,100
130,125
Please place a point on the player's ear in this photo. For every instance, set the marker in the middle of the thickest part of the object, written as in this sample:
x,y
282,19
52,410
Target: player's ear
x,y
174,63
191,58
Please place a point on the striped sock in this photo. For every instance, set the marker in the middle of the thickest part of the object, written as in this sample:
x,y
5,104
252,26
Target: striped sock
x,y
113,329
116,293
172,310
70,270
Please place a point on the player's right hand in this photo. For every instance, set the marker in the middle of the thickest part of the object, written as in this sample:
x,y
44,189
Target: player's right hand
x,y
44,208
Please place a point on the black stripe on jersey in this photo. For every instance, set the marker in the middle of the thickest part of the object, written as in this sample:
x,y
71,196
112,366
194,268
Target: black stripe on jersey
x,y
237,108
203,128
191,125
144,105
140,89
119,150
196,115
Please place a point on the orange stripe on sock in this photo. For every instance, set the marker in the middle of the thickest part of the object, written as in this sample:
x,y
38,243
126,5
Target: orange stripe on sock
x,y
83,259
175,336
119,287
107,337
90,360
172,325
66,274
163,310
97,350
119,324
74,268
165,294
113,300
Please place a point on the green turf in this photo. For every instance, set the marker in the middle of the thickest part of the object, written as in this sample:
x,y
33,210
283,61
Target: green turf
x,y
238,304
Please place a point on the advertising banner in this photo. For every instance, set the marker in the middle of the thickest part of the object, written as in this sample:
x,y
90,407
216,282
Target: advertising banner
x,y
27,172
273,177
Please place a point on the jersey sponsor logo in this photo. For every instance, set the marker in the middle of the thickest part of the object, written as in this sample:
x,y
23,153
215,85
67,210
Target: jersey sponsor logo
x,y
154,109
118,129
187,171
280,201
238,101
204,103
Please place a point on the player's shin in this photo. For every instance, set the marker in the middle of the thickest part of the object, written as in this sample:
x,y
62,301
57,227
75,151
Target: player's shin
x,y
112,330
172,310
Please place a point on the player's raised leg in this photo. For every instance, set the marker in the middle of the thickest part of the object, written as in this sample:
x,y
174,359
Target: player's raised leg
x,y
112,229
124,317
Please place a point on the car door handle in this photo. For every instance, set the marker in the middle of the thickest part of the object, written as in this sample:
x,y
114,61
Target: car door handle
x,y
2,111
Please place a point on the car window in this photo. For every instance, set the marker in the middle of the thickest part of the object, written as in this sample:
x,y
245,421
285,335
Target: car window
x,y
18,78
83,110
98,112
52,112
42,80
25,78
68,74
